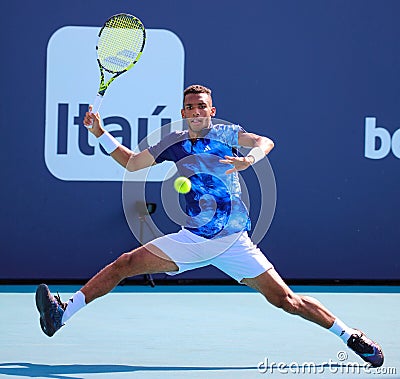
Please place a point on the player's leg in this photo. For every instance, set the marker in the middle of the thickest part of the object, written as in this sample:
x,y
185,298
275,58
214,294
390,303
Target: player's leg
x,y
172,253
243,261
275,290
144,260
147,259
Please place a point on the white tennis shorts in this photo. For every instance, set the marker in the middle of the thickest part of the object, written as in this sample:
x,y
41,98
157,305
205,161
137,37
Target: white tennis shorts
x,y
235,255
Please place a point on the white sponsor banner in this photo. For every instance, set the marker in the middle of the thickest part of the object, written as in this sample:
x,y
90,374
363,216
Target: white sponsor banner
x,y
135,105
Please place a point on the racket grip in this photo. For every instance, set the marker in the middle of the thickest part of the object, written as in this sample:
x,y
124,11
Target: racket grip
x,y
97,103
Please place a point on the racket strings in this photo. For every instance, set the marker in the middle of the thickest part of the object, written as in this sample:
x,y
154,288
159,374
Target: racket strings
x,y
120,43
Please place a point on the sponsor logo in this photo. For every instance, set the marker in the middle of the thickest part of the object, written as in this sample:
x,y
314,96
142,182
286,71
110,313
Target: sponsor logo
x,y
135,106
378,141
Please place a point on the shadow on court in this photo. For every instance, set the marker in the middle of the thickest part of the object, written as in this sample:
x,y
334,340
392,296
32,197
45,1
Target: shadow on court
x,y
31,370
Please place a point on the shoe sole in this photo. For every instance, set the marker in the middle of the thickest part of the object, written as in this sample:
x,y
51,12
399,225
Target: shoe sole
x,y
44,306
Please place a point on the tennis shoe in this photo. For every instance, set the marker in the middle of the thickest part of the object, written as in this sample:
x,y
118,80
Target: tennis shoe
x,y
51,310
367,349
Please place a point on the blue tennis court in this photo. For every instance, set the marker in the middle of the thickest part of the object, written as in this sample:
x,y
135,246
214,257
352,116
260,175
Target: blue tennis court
x,y
195,332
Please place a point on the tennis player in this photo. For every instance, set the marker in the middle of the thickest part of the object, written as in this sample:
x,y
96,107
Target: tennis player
x,y
217,226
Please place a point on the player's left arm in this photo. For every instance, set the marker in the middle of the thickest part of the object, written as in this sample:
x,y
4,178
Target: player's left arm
x,y
260,147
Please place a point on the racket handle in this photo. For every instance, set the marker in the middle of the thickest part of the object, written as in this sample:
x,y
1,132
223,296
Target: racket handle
x,y
97,103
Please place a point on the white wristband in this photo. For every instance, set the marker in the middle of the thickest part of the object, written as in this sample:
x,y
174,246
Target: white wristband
x,y
108,142
257,153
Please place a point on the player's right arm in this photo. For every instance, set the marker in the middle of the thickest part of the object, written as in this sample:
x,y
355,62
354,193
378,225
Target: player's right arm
x,y
124,156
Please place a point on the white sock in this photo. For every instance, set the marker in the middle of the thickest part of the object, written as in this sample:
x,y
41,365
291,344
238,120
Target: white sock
x,y
341,330
75,303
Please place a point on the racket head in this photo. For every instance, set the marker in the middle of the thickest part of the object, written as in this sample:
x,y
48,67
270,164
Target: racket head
x,y
121,42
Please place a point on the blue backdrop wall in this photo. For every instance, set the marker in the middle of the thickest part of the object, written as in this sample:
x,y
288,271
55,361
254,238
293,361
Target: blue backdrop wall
x,y
318,77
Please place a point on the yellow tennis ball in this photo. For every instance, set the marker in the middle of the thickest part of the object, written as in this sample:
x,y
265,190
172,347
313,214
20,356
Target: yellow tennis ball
x,y
182,185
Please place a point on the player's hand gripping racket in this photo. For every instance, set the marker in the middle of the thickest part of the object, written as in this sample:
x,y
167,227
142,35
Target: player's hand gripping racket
x,y
119,47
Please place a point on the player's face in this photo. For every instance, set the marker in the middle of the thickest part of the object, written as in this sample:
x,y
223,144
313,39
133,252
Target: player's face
x,y
198,110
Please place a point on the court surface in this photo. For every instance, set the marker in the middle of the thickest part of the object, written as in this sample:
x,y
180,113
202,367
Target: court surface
x,y
190,332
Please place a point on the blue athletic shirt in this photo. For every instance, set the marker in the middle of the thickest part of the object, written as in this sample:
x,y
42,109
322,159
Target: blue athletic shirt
x,y
213,205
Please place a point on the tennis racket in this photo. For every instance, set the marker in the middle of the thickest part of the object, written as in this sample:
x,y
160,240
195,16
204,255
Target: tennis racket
x,y
119,46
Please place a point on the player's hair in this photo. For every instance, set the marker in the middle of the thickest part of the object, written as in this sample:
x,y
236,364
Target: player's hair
x,y
196,88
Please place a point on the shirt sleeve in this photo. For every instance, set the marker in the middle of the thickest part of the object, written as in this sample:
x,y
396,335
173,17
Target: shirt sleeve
x,y
236,129
163,150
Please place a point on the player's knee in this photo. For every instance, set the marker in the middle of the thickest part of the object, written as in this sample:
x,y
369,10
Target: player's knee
x,y
289,302
124,260
127,261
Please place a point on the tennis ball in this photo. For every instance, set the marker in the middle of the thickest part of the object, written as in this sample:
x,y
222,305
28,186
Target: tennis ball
x,y
182,185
